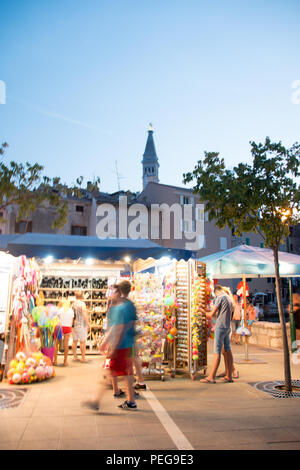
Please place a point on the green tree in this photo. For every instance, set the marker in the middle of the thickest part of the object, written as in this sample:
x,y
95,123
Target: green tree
x,y
25,186
262,197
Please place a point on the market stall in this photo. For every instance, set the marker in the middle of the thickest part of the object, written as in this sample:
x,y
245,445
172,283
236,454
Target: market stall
x,y
68,263
246,261
19,283
171,304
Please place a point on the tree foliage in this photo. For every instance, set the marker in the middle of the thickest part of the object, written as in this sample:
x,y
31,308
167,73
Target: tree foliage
x,y
25,186
262,197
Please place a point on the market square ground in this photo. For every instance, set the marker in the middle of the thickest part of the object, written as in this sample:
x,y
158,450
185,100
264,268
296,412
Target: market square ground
x,y
186,414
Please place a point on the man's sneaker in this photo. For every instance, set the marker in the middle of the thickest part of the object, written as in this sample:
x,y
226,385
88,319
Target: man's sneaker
x,y
120,394
127,405
140,387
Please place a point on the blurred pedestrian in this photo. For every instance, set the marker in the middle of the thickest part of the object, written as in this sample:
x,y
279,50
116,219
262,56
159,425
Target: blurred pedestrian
x,y
114,300
223,308
81,326
119,342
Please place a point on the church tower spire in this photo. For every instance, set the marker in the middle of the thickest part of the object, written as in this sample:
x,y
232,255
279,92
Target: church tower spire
x,y
150,160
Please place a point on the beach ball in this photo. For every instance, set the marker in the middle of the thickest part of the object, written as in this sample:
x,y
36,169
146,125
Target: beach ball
x,y
20,367
170,338
10,373
31,362
21,357
16,378
173,331
48,372
25,378
47,361
37,356
13,364
40,373
31,370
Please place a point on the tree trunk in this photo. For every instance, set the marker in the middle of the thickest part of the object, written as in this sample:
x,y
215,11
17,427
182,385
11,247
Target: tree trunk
x,y
286,353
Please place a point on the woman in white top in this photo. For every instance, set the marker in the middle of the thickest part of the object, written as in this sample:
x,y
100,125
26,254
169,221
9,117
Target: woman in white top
x,y
66,315
81,325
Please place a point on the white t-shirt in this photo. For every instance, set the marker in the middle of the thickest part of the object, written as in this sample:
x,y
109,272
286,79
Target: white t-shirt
x,y
66,317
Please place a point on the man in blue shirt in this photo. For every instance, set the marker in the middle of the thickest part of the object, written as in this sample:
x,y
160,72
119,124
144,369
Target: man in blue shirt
x,y
119,341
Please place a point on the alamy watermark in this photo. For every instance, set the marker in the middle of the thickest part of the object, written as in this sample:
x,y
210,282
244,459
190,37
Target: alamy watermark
x,y
2,92
158,221
295,98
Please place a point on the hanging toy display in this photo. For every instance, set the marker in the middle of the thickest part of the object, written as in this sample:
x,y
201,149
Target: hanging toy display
x,y
147,294
46,319
29,368
198,315
170,304
210,322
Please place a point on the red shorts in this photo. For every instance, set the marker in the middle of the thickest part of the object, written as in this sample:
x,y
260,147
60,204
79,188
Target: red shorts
x,y
66,330
121,362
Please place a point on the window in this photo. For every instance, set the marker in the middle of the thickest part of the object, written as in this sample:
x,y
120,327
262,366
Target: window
x,y
23,226
223,243
80,209
78,230
184,200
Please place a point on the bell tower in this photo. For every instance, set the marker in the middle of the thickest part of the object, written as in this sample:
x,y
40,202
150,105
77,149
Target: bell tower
x,y
150,160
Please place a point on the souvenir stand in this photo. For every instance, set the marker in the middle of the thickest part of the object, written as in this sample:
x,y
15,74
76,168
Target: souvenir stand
x,y
182,313
7,263
20,285
147,295
68,263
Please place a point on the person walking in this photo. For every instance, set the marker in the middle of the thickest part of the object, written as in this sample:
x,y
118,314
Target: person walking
x,y
119,342
223,308
114,300
81,326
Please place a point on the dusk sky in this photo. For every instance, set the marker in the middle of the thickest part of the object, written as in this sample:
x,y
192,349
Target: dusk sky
x,y
85,77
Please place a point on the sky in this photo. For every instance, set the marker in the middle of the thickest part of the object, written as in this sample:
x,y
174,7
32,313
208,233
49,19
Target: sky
x,y
84,78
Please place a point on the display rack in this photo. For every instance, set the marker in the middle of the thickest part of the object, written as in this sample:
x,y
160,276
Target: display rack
x,y
94,290
182,345
190,355
198,318
147,295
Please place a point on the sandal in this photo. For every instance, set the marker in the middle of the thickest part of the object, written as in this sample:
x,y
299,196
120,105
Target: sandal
x,y
120,394
206,381
221,375
236,375
225,380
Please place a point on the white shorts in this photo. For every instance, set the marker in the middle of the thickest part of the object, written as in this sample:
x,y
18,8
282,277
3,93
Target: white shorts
x,y
80,334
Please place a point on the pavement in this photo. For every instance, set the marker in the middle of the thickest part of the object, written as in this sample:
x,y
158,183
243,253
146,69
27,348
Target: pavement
x,y
177,413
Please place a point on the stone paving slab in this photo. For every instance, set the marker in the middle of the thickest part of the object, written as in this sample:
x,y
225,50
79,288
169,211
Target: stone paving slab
x,y
211,417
